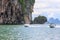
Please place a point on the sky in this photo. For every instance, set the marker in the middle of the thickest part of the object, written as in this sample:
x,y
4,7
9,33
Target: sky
x,y
48,8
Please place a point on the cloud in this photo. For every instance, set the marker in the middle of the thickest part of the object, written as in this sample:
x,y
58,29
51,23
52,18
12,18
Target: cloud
x,y
48,8
47,4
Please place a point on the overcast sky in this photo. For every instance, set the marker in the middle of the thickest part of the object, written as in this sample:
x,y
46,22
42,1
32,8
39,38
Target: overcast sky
x,y
48,8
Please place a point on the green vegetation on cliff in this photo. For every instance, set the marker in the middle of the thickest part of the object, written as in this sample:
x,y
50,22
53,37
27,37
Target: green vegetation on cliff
x,y
32,2
27,7
22,2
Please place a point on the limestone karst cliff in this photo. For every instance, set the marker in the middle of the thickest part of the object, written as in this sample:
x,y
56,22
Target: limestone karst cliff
x,y
16,11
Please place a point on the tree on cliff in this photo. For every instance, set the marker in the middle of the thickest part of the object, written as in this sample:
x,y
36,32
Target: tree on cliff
x,y
40,20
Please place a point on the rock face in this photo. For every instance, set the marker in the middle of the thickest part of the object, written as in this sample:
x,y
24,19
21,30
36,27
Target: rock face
x,y
16,11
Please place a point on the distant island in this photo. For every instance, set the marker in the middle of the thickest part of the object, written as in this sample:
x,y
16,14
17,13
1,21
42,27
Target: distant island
x,y
39,20
55,21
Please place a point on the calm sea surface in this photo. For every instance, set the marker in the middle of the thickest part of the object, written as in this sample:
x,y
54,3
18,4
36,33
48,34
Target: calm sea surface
x,y
19,32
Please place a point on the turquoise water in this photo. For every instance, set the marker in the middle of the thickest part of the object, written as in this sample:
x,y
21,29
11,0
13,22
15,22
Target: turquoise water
x,y
10,32
19,32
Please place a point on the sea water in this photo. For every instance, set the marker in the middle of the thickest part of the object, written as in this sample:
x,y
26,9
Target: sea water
x,y
19,32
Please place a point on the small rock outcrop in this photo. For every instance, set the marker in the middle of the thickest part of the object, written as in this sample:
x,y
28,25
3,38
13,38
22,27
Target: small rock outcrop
x,y
16,11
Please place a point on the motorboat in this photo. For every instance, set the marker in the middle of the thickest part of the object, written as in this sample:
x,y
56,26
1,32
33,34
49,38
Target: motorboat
x,y
26,25
52,25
